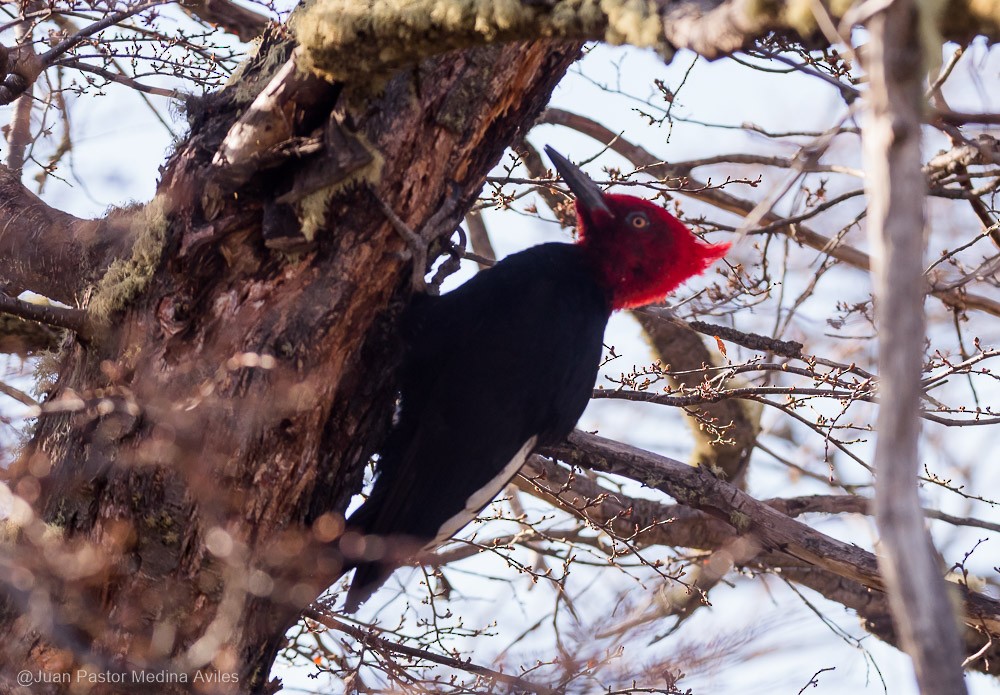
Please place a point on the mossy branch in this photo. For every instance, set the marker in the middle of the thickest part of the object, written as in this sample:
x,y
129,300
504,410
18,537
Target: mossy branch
x,y
127,277
347,40
677,345
364,42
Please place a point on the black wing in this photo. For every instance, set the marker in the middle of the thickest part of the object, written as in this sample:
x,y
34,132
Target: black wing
x,y
505,361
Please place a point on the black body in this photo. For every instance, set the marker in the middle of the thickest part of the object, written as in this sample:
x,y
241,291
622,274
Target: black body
x,y
509,356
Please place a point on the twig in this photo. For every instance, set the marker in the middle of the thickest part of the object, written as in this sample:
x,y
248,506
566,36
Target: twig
x,y
639,157
369,639
70,42
120,79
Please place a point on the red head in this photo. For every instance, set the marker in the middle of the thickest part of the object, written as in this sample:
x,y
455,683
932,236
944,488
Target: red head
x,y
640,251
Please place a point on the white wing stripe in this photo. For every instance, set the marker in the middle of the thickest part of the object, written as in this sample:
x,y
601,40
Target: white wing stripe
x,y
483,496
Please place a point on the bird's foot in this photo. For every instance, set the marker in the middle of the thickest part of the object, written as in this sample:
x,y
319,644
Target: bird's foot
x,y
418,243
415,243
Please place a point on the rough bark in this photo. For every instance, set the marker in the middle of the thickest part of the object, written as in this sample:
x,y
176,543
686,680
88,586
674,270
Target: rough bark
x,y
357,38
220,423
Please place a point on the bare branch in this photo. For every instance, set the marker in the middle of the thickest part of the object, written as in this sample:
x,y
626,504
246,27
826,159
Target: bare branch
x,y
369,638
730,203
479,239
24,338
557,202
83,34
776,531
236,19
959,118
121,79
18,395
646,523
19,136
725,447
48,251
73,319
892,136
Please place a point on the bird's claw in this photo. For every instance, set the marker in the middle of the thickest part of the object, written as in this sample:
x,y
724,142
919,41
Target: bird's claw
x,y
418,242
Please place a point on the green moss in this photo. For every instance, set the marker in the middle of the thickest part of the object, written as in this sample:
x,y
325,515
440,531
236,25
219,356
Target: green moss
x,y
36,532
10,532
988,11
46,373
799,15
635,22
739,521
313,207
253,50
349,40
312,210
126,278
839,7
762,11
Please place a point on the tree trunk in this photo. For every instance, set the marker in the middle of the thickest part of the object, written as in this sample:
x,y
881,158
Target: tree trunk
x,y
213,431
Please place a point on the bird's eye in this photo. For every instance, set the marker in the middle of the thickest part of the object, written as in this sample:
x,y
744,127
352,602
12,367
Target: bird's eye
x,y
638,220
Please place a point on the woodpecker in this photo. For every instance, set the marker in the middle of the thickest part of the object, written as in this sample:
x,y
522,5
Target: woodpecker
x,y
506,363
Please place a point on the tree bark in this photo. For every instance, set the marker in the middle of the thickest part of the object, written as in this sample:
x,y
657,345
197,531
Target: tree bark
x,y
48,251
218,426
918,594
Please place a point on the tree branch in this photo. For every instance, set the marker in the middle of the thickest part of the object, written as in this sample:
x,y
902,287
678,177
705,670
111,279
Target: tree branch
x,y
83,34
121,79
350,41
24,338
646,523
346,40
776,531
801,234
17,394
51,252
369,639
240,21
73,319
725,448
19,135
891,135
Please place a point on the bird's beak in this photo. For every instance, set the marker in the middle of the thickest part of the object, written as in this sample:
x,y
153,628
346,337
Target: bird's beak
x,y
587,193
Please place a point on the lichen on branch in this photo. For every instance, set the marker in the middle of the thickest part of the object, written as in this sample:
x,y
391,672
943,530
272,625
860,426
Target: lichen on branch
x,y
127,277
350,39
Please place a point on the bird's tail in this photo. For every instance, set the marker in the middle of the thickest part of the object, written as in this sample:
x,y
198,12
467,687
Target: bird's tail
x,y
368,577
